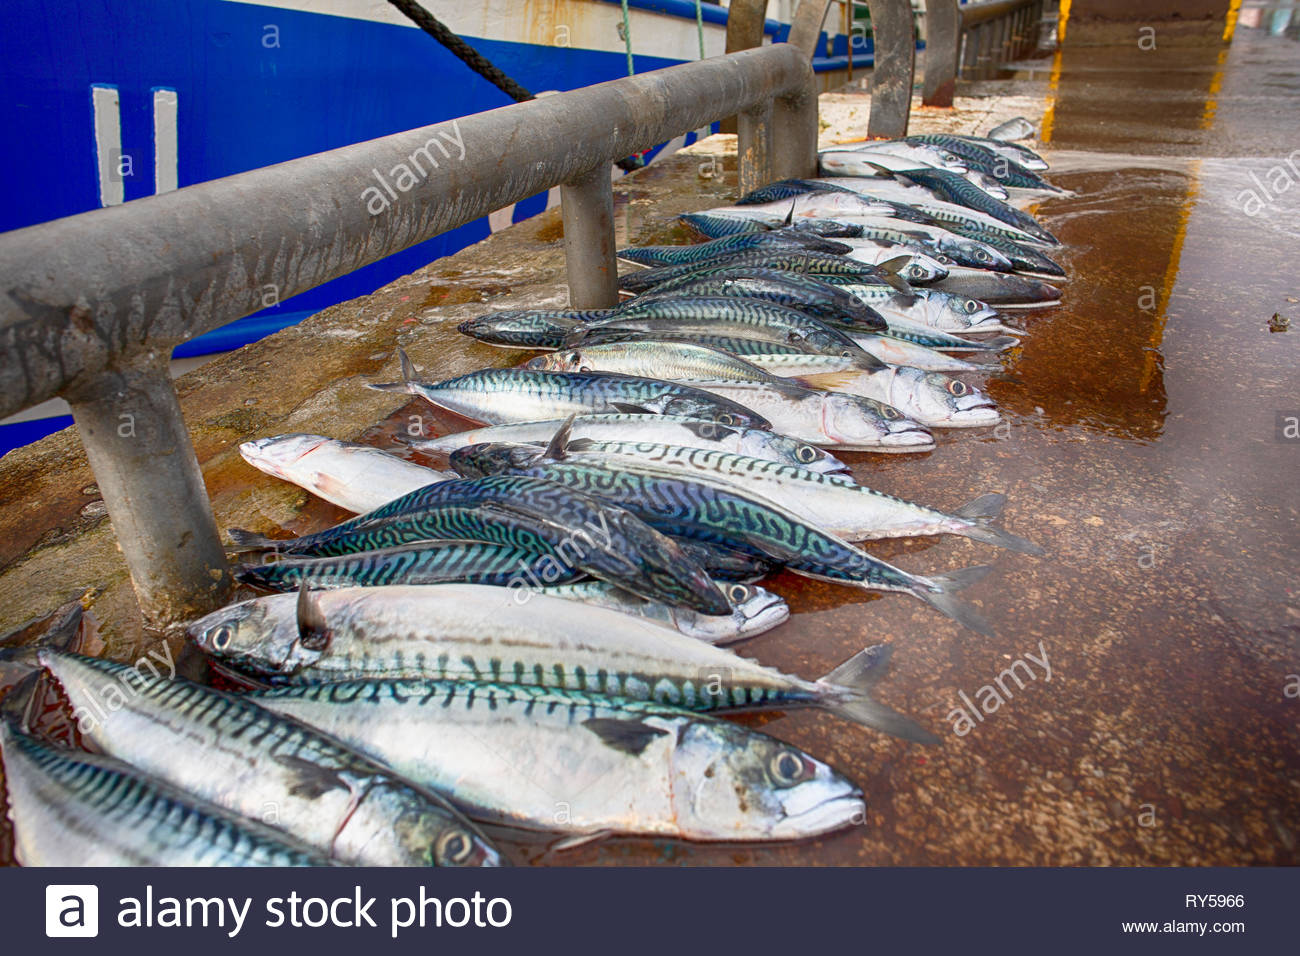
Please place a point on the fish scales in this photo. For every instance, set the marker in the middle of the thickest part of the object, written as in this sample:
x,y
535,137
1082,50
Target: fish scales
x,y
623,766
77,809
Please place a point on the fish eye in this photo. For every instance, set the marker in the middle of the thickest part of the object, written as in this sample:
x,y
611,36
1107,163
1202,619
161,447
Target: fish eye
x,y
726,418
738,593
983,256
889,412
957,388
786,767
221,637
454,846
972,306
806,454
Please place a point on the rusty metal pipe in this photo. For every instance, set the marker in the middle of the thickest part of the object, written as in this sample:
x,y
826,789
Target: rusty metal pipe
x,y
891,77
942,38
130,423
587,206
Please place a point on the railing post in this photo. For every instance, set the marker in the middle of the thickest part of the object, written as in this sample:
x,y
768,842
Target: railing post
x,y
792,147
587,208
891,77
745,22
130,424
754,148
942,35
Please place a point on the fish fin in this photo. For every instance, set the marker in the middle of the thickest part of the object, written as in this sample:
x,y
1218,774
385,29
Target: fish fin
x,y
578,839
19,706
560,440
328,484
308,779
895,265
898,284
789,217
58,630
882,171
854,679
1002,539
827,381
627,408
313,631
627,736
861,709
864,669
984,507
408,377
943,599
251,541
960,579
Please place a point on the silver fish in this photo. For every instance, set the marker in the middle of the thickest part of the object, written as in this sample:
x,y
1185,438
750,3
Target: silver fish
x,y
471,632
672,429
71,808
225,749
925,397
755,610
582,763
497,396
839,505
355,477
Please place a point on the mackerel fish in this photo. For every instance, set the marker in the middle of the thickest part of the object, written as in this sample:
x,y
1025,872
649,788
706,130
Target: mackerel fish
x,y
513,753
71,808
230,752
465,632
709,510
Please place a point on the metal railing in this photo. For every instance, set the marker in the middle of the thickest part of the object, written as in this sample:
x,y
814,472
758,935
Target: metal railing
x,y
93,304
997,32
961,40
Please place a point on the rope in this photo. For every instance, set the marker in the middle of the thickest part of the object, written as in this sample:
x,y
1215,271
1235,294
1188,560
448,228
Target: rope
x,y
627,40
470,56
427,22
699,25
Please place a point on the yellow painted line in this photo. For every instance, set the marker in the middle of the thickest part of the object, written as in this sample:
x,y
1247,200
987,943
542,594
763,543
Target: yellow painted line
x,y
1049,114
1229,23
1171,275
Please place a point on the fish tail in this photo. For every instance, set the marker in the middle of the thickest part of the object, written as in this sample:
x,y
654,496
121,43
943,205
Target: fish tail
x,y
940,594
242,540
980,512
60,633
407,384
853,681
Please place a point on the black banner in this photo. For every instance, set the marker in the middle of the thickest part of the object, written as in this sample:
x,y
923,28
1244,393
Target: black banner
x,y
626,911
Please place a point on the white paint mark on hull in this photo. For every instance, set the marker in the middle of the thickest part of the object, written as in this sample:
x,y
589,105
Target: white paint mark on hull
x,y
166,162
107,114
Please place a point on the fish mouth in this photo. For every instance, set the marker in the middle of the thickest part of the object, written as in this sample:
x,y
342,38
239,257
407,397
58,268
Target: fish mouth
x,y
831,814
977,416
906,435
256,452
772,613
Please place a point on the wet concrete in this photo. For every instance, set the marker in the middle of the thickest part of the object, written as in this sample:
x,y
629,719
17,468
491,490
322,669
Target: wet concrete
x,y
1141,447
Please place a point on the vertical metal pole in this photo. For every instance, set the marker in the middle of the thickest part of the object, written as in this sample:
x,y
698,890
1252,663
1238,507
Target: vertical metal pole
x,y
848,35
587,207
745,22
131,427
793,145
754,148
942,36
891,77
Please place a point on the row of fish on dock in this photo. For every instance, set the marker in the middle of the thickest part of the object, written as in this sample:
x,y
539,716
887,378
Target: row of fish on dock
x,y
536,637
